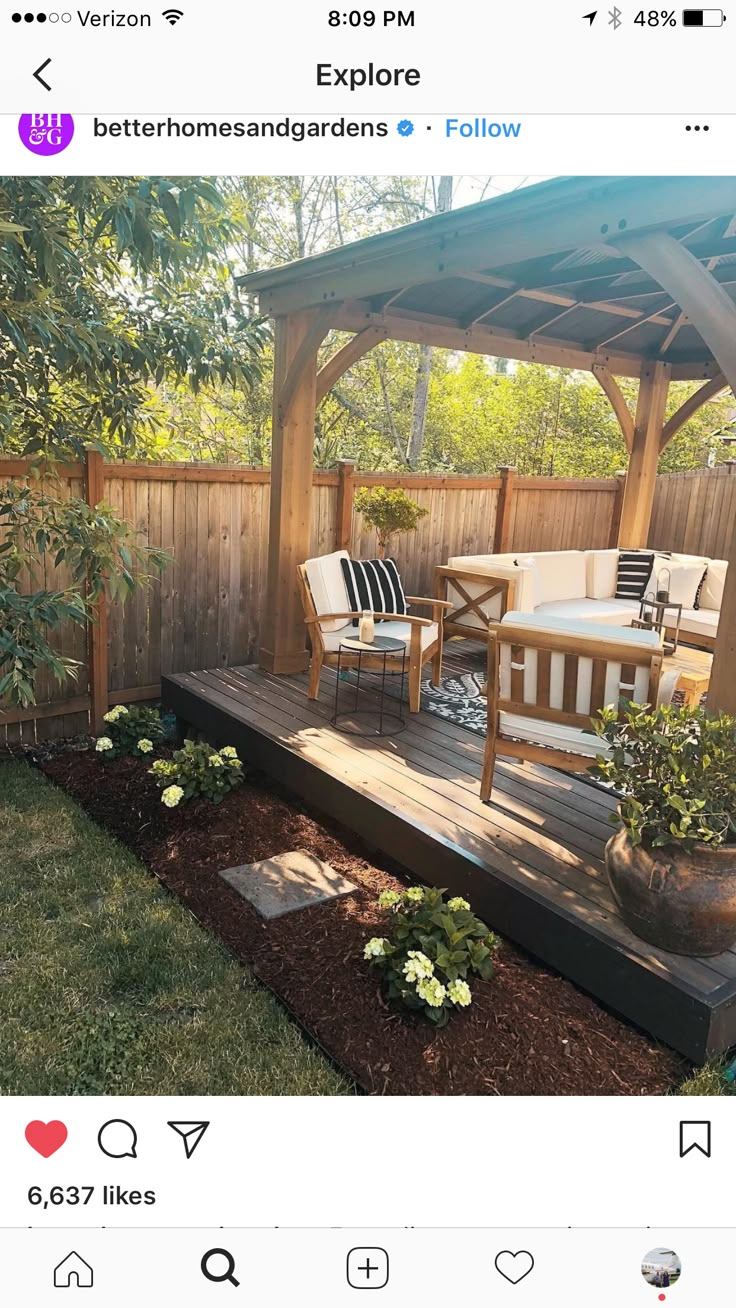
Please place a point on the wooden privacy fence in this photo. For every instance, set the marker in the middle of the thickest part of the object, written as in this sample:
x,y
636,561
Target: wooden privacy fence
x,y
694,512
205,611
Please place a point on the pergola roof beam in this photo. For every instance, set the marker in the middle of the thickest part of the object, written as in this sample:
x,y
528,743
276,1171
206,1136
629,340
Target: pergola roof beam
x,y
577,214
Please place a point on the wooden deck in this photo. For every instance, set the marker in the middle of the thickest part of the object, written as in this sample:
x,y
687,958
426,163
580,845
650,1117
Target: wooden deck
x,y
531,862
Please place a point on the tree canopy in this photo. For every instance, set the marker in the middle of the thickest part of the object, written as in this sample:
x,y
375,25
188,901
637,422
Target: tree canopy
x,y
110,287
120,324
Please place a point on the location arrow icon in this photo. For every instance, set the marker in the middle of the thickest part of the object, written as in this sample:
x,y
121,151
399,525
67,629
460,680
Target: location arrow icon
x,y
591,17
190,1132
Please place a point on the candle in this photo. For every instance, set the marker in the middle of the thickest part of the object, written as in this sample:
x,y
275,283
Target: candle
x,y
366,628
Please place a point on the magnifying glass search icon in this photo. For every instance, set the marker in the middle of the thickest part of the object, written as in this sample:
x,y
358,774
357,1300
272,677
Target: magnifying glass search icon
x,y
219,1273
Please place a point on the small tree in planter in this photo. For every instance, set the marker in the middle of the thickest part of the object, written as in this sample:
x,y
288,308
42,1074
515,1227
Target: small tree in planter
x,y
389,511
672,863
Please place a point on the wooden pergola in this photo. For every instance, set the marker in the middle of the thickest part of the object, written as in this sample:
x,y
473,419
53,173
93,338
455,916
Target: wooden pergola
x,y
632,277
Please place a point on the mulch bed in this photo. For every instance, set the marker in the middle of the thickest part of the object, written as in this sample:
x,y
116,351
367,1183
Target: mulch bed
x,y
528,1031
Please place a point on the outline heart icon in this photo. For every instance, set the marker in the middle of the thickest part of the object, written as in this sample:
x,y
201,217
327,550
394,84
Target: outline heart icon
x,y
514,1272
46,1137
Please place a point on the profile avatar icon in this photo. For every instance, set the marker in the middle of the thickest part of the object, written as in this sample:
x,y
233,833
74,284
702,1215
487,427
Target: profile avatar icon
x,y
46,133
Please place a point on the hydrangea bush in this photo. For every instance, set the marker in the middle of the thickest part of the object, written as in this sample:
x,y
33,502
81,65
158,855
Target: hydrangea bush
x,y
430,948
136,731
197,769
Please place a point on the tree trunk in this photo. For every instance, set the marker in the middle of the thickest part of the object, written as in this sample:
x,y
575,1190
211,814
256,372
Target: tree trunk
x,y
424,367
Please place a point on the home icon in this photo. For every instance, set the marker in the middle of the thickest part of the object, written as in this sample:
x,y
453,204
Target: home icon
x,y
73,1270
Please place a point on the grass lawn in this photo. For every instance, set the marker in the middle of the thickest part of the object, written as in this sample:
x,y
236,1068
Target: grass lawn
x,y
109,986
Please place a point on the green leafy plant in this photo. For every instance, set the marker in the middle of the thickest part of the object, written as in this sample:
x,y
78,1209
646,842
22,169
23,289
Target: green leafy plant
x,y
135,731
198,769
675,769
40,528
389,511
430,948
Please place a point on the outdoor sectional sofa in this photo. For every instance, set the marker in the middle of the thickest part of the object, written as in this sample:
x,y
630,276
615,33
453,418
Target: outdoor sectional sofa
x,y
575,585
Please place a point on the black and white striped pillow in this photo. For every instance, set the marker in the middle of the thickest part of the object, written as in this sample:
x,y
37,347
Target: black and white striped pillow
x,y
373,584
634,571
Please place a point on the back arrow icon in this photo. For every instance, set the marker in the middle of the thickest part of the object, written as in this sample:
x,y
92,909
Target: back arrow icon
x,y
38,72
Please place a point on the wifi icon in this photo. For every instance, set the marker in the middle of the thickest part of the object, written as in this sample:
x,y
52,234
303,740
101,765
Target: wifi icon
x,y
173,15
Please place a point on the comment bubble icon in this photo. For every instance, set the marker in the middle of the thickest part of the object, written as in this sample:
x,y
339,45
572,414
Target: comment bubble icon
x,y
118,1139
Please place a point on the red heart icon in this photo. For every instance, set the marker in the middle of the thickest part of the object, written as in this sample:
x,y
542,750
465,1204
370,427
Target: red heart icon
x,y
46,1137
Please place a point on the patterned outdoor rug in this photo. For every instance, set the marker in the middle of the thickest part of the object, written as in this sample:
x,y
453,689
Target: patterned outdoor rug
x,y
457,699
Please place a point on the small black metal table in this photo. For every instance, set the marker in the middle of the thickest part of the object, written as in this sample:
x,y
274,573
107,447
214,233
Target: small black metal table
x,y
377,721
652,615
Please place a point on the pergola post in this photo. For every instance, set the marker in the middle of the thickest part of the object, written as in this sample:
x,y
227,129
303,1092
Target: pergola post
x,y
641,478
713,314
297,339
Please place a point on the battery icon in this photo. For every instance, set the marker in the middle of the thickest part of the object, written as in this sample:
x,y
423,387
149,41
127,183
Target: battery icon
x,y
703,18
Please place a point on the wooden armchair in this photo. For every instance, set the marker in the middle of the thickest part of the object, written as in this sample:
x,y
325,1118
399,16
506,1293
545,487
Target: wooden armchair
x,y
548,677
328,617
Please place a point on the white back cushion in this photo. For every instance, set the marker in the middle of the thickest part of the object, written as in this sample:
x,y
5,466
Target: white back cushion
x,y
327,584
711,596
560,574
601,572
496,565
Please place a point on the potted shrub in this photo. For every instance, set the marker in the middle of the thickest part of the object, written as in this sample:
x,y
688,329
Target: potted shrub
x,y
389,511
672,863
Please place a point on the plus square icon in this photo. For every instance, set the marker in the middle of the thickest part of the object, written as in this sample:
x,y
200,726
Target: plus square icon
x,y
368,1269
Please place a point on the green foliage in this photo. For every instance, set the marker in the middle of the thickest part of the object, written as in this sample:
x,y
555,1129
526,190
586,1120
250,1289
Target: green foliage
x,y
42,531
391,512
24,647
430,948
675,769
110,985
198,769
108,287
135,731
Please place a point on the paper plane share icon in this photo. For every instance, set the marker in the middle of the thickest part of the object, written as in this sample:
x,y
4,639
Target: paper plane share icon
x,y
191,1133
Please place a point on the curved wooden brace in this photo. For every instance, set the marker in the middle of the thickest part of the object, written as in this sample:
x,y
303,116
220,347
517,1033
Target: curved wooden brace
x,y
691,406
344,358
608,383
304,357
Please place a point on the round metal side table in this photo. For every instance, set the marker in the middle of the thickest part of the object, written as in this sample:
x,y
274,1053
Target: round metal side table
x,y
378,721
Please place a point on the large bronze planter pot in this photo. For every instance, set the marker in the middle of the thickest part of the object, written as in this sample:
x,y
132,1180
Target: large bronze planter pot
x,y
680,901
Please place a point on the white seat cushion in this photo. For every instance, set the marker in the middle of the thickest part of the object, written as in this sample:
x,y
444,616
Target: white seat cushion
x,y
698,622
552,734
607,612
397,630
552,622
327,584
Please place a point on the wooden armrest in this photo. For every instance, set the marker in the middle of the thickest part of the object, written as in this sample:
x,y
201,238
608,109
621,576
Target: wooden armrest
x,y
332,617
466,574
380,617
430,603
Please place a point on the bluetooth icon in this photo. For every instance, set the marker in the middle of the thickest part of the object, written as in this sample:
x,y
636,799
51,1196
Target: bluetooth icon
x,y
614,18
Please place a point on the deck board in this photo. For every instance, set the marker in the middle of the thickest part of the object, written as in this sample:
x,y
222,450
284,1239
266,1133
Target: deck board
x,y
531,860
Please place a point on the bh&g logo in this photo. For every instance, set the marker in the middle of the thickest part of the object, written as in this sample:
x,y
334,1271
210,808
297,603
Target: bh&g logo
x,y
46,133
